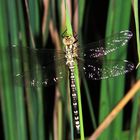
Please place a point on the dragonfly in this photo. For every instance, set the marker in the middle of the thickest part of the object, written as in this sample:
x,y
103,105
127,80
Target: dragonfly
x,y
88,57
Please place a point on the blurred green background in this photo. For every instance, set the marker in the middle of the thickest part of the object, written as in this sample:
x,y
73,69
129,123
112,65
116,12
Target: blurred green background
x,y
44,113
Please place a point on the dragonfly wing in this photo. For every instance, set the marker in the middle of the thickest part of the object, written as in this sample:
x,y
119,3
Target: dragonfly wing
x,y
96,70
105,46
42,75
42,56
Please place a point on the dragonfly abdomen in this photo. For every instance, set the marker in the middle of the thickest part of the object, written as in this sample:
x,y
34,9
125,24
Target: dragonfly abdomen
x,y
74,101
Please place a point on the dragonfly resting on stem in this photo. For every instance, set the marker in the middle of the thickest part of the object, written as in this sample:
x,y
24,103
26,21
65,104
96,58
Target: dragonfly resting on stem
x,y
90,60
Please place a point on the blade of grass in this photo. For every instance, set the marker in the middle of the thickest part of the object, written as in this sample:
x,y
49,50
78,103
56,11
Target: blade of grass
x,y
46,20
41,128
94,124
136,104
136,17
115,23
7,96
34,15
18,91
81,7
21,23
134,117
34,95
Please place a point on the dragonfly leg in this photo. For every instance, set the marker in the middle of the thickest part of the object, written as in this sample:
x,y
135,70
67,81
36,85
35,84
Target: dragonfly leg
x,y
75,35
63,34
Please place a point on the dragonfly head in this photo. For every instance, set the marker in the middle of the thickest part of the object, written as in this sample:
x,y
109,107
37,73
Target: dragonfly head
x,y
68,40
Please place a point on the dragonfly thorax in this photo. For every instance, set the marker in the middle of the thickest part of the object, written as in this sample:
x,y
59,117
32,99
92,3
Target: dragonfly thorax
x,y
70,50
71,54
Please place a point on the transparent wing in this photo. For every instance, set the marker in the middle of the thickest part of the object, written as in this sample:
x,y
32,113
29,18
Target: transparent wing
x,y
97,70
106,46
47,66
44,60
42,56
42,75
